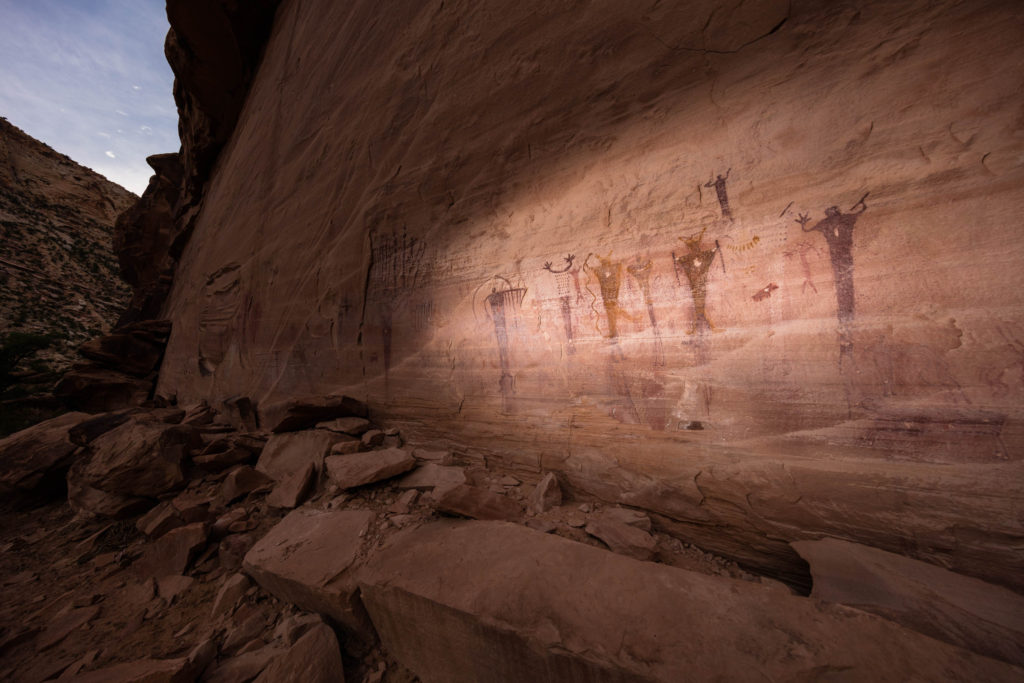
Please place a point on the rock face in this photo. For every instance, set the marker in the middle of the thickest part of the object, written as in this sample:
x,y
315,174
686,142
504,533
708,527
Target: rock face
x,y
520,604
757,271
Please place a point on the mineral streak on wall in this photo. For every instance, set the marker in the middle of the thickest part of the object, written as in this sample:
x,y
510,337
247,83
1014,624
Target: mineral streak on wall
x,y
757,267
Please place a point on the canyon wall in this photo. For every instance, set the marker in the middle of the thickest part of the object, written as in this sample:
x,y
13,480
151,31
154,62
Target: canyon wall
x,y
755,267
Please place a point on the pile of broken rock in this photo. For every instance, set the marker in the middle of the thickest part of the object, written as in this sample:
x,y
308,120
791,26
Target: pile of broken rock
x,y
196,546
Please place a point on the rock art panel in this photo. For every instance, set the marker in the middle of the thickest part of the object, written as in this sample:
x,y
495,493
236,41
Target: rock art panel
x,y
606,251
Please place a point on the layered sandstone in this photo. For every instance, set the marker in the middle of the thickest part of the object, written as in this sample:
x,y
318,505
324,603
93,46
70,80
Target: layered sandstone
x,y
755,269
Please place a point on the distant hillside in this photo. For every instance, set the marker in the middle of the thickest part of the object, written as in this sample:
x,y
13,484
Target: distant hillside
x,y
58,273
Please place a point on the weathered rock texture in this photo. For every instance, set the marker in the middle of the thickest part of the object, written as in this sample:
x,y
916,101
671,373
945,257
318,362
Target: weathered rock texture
x,y
756,269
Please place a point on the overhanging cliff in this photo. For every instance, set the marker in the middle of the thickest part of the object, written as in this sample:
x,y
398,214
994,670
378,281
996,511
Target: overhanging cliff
x,y
753,267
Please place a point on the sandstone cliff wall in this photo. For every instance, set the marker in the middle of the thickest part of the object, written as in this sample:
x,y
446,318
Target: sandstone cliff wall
x,y
754,266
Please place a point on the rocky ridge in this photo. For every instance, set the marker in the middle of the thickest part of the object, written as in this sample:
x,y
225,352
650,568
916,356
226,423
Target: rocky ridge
x,y
58,272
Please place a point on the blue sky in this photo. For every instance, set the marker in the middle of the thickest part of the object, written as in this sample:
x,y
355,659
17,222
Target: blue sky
x,y
89,78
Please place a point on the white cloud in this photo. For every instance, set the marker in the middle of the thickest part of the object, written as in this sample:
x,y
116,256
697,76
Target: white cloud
x,y
136,87
110,154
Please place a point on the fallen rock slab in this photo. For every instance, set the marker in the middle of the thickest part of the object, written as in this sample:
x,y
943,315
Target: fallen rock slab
x,y
171,553
287,453
244,667
478,503
294,489
526,606
951,607
353,426
314,658
43,451
623,538
305,559
139,458
242,481
359,469
303,413
432,476
85,499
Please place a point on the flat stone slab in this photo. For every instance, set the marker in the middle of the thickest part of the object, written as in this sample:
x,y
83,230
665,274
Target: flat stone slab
x,y
952,607
303,413
524,606
432,476
290,452
359,469
478,503
305,559
28,456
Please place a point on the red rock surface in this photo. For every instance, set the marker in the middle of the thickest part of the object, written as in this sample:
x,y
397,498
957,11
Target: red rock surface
x,y
603,241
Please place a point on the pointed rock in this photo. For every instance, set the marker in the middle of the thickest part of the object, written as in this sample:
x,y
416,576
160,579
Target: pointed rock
x,y
547,494
172,552
314,658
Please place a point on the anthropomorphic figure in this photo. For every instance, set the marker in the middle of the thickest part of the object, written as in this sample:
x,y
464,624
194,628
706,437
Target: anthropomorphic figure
x,y
696,263
564,278
723,198
837,229
609,278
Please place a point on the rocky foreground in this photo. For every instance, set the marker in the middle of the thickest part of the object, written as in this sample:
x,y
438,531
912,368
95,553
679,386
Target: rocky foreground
x,y
194,545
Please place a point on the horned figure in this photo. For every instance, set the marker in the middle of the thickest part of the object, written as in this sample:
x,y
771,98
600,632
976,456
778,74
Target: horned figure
x,y
641,272
837,229
562,281
609,278
696,263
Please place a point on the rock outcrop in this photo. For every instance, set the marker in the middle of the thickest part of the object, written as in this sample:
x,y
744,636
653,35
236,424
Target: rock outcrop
x,y
733,267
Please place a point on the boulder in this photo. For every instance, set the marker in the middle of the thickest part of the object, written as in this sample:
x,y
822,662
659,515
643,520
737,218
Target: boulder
x,y
945,605
287,453
623,538
434,477
139,458
240,412
84,432
478,503
439,457
353,426
526,606
372,438
306,559
359,469
172,553
42,453
85,499
159,520
314,658
134,349
232,590
547,494
293,490
99,390
303,413
347,447
242,481
243,667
